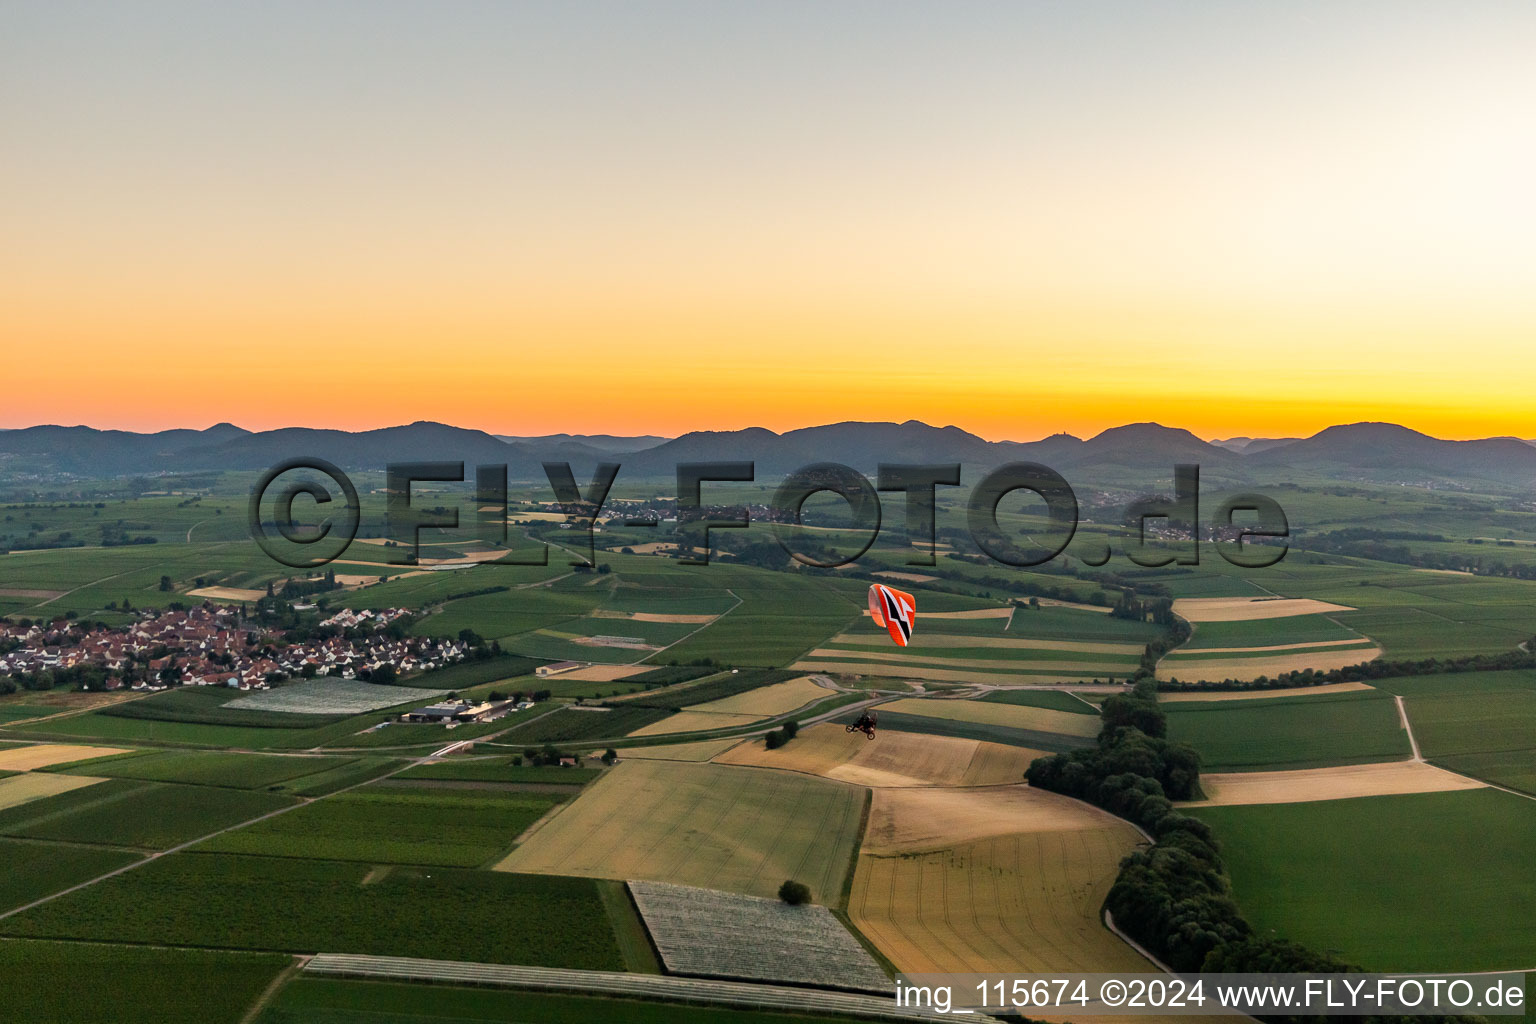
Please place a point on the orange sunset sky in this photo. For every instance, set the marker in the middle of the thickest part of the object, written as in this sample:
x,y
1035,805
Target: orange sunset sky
x,y
1240,218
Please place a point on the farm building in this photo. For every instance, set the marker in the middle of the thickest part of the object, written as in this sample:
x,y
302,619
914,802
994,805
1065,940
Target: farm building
x,y
456,711
557,667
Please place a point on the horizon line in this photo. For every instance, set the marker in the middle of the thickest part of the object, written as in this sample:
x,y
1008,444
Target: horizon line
x,y
1213,439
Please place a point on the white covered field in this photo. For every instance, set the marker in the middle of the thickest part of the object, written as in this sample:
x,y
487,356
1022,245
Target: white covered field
x,y
713,934
333,697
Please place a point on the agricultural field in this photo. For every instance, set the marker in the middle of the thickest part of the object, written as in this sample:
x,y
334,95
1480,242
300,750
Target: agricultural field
x,y
1479,723
1041,645
1200,696
26,787
500,769
108,727
696,721
705,825
575,725
47,755
211,705
1006,879
711,934
767,701
129,985
1020,717
1244,649
139,815
211,768
1390,882
34,870
332,697
687,750
1383,778
394,825
1056,700
311,1000
1291,732
895,759
291,905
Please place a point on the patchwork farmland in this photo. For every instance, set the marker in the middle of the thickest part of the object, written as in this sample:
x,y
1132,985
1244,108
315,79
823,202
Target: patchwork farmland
x,y
704,825
922,841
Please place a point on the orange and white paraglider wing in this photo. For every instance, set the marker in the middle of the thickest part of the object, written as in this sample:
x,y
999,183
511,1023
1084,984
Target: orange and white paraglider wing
x,y
893,609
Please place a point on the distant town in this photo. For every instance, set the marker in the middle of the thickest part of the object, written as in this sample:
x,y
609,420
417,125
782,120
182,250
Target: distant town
x,y
213,646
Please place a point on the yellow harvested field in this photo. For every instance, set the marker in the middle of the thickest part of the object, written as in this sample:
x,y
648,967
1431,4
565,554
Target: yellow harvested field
x,y
1003,664
708,825
695,750
652,616
355,581
909,577
1051,602
1251,668
652,548
943,675
1193,697
46,755
227,594
767,701
468,558
695,721
892,760
921,641
21,789
974,613
1341,783
599,673
1013,716
1002,879
916,820
41,595
1239,609
1302,645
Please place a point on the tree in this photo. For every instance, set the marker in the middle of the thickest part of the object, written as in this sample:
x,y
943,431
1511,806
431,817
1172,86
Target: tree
x,y
609,756
791,728
795,893
165,584
774,740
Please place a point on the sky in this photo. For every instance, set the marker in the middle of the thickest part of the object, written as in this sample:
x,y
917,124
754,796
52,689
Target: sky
x,y
1237,217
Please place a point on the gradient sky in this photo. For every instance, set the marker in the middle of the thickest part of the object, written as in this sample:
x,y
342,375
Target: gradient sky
x,y
1022,217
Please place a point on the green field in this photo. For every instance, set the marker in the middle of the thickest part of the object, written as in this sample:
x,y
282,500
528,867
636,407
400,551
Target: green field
x,y
1482,724
311,1000
500,769
284,904
1056,700
101,726
75,983
1036,740
380,825
30,871
1291,732
210,768
208,705
140,815
1427,882
568,725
